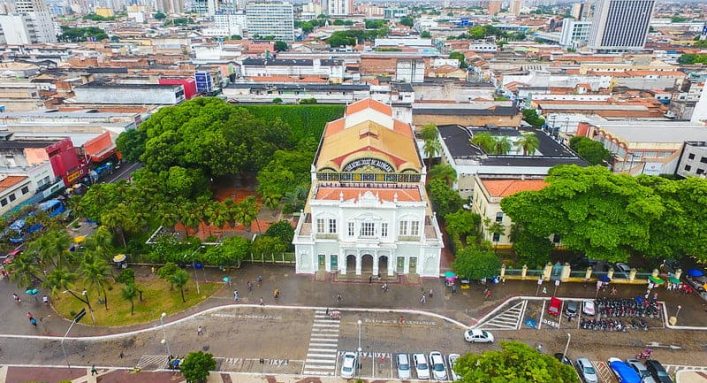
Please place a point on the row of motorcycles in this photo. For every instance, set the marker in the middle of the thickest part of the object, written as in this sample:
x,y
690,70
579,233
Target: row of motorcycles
x,y
613,325
632,308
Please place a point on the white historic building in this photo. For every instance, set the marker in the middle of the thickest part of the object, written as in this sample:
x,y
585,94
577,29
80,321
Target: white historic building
x,y
368,212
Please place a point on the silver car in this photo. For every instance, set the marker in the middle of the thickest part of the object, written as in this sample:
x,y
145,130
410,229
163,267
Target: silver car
x,y
403,362
641,370
586,370
452,361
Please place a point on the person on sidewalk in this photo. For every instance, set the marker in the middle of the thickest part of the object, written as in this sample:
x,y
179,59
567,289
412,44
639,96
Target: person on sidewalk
x,y
33,322
199,331
262,302
93,370
250,286
339,298
236,298
370,279
45,299
276,294
431,292
259,280
423,299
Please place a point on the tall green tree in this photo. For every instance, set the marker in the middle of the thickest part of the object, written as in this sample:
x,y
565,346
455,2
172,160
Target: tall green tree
x,y
475,263
51,248
179,279
485,141
96,274
529,142
196,366
502,146
590,150
444,199
516,362
61,279
129,292
443,172
24,270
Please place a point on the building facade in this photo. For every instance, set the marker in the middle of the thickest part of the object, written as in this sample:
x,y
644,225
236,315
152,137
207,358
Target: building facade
x,y
274,18
575,33
368,212
620,25
40,23
143,94
693,161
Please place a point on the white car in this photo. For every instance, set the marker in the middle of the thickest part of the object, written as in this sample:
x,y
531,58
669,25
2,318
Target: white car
x,y
439,371
588,308
421,367
403,362
478,336
453,361
348,365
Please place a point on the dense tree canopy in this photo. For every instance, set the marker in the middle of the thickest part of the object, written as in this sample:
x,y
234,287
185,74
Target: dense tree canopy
x,y
459,56
76,35
476,262
514,363
693,58
590,150
196,366
608,216
531,116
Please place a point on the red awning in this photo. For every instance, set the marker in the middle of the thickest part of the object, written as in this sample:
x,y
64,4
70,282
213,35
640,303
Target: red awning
x,y
100,148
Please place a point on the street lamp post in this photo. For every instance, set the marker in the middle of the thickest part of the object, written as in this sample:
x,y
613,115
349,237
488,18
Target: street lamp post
x,y
540,282
196,276
164,333
557,284
359,343
564,353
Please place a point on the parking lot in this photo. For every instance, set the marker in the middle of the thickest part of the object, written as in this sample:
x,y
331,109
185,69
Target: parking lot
x,y
384,366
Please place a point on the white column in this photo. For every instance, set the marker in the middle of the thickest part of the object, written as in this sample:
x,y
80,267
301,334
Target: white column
x,y
375,263
327,262
342,265
392,264
358,263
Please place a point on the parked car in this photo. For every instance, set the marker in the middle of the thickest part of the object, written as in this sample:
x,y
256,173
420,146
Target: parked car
x,y
571,308
563,358
478,336
422,369
588,308
403,362
452,362
624,373
658,371
439,370
697,283
586,370
641,370
348,366
621,270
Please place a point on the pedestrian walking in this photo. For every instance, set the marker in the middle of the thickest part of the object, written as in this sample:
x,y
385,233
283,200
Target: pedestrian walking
x,y
29,315
487,294
339,298
16,298
33,322
276,294
45,299
250,286
121,355
385,287
327,312
370,279
236,298
544,290
401,320
152,269
613,291
93,370
431,292
423,299
262,302
655,297
454,289
260,280
199,331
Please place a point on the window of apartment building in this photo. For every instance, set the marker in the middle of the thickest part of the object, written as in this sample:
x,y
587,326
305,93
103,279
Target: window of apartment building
x,y
691,156
499,216
320,225
384,229
703,160
403,227
414,228
332,226
368,229
12,197
688,168
3,201
25,190
351,229
496,237
700,171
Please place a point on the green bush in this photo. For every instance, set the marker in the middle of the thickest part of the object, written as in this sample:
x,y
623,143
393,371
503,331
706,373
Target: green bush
x,y
305,120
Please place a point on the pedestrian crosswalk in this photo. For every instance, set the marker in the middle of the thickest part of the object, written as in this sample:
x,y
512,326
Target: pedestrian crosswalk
x,y
323,343
508,319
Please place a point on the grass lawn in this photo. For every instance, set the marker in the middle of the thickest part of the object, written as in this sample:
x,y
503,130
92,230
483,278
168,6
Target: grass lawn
x,y
157,298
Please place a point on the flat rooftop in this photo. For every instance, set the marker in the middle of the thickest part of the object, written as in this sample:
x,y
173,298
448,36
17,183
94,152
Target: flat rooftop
x,y
654,131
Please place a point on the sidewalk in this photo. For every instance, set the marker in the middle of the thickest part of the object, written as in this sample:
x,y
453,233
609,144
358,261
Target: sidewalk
x,y
466,306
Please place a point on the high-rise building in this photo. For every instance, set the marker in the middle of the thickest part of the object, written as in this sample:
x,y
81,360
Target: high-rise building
x,y
516,5
31,23
271,18
494,7
575,33
620,25
340,7
578,10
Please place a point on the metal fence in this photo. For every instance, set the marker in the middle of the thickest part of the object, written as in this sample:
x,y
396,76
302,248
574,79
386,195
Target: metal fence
x,y
284,258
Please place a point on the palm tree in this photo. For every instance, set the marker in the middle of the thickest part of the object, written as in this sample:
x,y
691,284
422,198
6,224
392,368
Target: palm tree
x,y
248,211
502,146
62,279
429,131
272,201
51,249
485,141
190,216
96,273
494,228
100,241
444,172
432,146
529,143
24,270
128,293
180,279
117,220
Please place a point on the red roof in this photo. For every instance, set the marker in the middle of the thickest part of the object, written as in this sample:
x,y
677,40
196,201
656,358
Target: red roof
x,y
100,148
334,193
369,103
11,181
505,188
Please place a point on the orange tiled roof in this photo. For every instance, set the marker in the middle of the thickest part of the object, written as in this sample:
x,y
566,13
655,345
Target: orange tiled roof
x,y
11,181
505,188
369,103
334,193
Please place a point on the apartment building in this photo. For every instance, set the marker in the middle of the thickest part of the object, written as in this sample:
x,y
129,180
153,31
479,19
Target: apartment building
x,y
270,18
620,25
